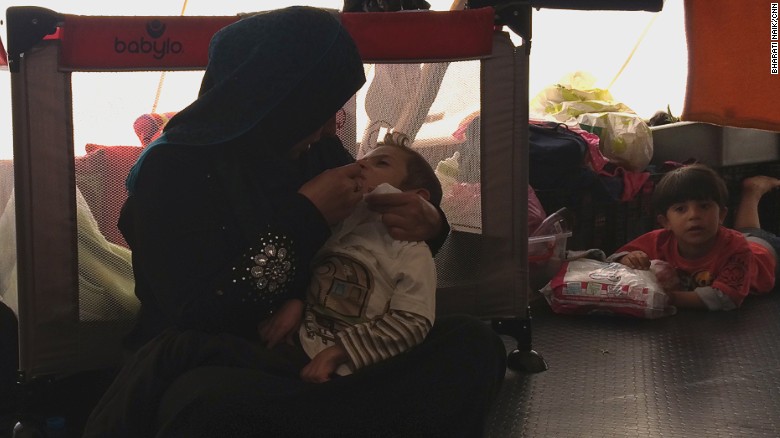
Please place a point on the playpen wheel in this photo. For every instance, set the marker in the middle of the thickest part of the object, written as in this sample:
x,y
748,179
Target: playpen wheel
x,y
523,358
526,361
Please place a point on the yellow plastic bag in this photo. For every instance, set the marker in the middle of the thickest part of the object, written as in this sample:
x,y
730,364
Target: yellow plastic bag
x,y
624,137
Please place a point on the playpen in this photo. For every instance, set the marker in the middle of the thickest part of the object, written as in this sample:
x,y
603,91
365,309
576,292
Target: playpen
x,y
74,296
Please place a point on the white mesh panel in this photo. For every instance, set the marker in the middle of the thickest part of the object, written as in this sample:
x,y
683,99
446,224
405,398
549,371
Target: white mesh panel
x,y
114,116
8,283
437,106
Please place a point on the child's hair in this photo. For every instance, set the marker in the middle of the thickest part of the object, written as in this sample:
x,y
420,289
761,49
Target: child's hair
x,y
419,174
695,182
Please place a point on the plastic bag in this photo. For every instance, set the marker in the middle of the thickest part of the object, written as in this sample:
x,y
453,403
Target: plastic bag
x,y
573,95
536,212
556,223
591,287
625,138
447,171
460,201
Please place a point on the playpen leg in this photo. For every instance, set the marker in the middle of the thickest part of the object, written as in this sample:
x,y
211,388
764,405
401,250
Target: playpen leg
x,y
524,358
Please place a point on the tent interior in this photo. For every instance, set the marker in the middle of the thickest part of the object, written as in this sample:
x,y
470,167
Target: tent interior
x,y
75,119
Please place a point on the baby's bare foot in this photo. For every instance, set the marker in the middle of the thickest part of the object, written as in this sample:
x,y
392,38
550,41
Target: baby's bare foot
x,y
759,185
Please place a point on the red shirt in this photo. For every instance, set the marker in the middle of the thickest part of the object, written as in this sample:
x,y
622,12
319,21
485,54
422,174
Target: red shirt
x,y
734,266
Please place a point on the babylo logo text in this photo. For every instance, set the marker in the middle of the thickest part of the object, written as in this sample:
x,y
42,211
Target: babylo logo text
x,y
155,45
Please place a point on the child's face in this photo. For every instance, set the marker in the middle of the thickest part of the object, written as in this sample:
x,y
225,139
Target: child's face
x,y
694,223
385,164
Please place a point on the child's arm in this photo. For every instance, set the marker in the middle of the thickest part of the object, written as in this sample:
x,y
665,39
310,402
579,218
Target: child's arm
x,y
637,253
368,343
705,297
374,341
731,277
685,299
635,260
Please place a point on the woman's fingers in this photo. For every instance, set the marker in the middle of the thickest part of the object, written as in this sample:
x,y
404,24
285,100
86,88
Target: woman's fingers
x,y
335,192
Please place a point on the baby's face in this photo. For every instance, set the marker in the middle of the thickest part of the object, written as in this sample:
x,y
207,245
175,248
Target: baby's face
x,y
385,164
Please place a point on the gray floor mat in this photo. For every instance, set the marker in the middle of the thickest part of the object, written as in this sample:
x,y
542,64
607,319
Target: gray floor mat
x,y
694,374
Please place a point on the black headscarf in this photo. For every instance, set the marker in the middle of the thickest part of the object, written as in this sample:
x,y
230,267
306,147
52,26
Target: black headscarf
x,y
280,74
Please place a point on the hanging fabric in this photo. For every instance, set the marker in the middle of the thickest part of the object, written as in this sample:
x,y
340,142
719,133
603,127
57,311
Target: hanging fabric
x,y
731,80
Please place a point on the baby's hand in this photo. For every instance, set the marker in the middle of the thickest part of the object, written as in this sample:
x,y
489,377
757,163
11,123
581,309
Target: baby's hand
x,y
636,260
324,364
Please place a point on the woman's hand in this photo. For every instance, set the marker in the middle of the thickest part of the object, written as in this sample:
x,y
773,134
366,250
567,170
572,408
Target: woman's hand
x,y
283,325
636,260
324,364
335,192
406,215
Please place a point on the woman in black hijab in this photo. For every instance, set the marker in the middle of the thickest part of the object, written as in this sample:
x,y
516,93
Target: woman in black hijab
x,y
226,210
